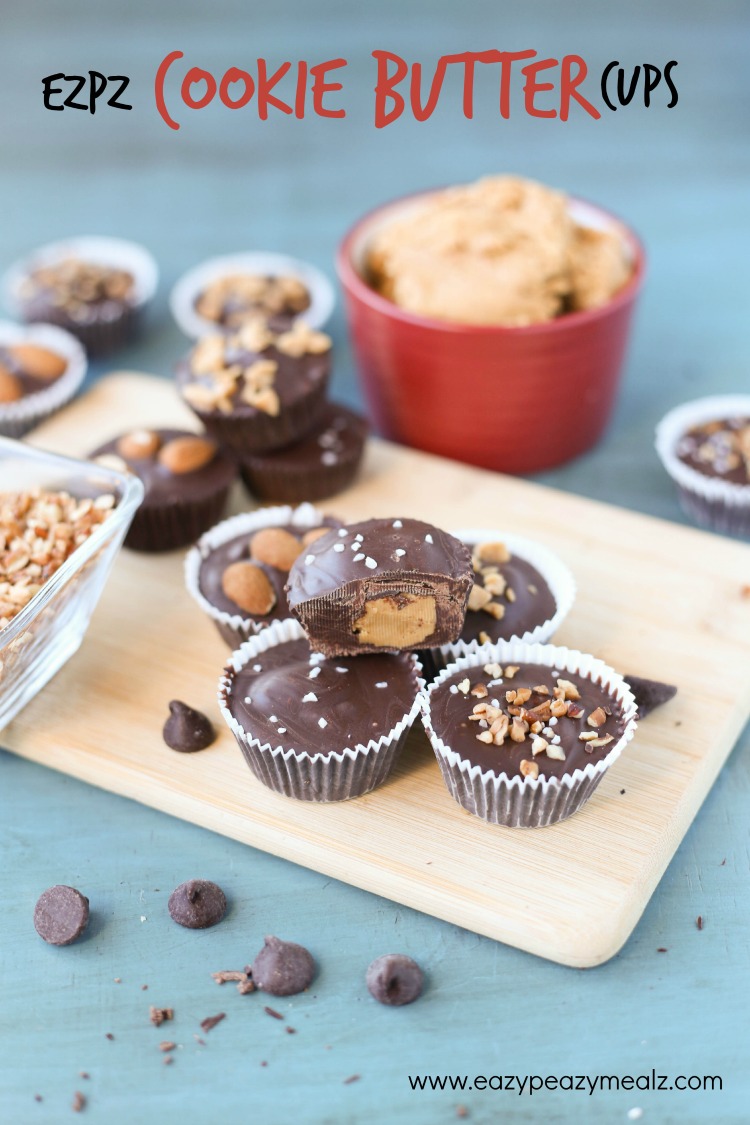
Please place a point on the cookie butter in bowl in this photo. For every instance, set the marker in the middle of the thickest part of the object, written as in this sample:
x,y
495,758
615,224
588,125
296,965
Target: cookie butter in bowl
x,y
490,320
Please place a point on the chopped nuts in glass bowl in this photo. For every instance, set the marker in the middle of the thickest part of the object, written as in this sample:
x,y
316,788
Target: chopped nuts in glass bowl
x,y
61,525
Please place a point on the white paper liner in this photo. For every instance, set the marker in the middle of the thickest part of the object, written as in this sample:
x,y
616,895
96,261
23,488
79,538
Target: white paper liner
x,y
710,501
553,570
525,802
333,776
115,252
191,285
235,628
17,418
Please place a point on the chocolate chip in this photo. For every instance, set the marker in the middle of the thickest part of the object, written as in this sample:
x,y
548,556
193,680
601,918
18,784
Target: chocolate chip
x,y
283,968
394,979
186,729
61,915
649,694
197,904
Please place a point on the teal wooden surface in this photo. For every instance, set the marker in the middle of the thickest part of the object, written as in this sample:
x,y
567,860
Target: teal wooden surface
x,y
227,181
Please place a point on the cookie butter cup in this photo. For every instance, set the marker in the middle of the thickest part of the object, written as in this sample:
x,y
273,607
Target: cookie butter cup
x,y
555,573
192,284
17,418
714,503
298,773
526,802
235,628
97,336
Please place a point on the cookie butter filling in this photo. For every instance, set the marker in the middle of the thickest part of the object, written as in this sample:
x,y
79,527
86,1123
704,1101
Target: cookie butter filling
x,y
502,251
530,720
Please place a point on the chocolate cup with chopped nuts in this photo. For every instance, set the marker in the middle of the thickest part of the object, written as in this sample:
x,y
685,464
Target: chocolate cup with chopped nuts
x,y
322,464
96,288
318,730
186,480
505,754
710,469
521,591
231,543
257,390
41,369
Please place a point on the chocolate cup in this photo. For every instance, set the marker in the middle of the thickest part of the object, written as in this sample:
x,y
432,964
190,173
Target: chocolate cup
x,y
297,473
335,776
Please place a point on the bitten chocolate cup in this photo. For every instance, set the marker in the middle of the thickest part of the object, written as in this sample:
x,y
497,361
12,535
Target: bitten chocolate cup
x,y
336,726
383,585
229,542
521,783
719,504
532,589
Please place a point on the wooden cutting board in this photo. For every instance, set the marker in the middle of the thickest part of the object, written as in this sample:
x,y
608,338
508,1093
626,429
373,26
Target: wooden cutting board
x,y
654,599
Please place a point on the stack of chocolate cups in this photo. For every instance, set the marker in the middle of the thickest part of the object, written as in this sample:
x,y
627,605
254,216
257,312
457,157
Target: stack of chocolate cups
x,y
260,391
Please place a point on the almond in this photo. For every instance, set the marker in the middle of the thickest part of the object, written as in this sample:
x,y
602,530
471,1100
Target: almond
x,y
138,445
313,534
186,454
275,547
10,387
247,585
38,362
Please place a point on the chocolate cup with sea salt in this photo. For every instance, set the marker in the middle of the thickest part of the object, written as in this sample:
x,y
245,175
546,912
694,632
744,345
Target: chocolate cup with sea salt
x,y
383,585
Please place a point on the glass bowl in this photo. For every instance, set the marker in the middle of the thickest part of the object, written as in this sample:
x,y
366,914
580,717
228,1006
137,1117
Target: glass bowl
x,y
49,629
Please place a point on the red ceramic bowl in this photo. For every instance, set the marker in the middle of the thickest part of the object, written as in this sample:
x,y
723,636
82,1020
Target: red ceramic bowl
x,y
517,400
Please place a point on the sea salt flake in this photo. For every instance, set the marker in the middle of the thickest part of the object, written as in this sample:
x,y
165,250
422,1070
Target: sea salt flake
x,y
370,562
399,552
316,658
553,721
322,722
247,699
342,669
313,673
453,689
281,730
311,697
342,532
397,523
383,683
359,557
309,559
338,546
329,457
273,718
257,667
428,539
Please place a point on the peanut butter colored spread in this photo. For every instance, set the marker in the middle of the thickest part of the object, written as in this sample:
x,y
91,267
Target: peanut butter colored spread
x,y
502,251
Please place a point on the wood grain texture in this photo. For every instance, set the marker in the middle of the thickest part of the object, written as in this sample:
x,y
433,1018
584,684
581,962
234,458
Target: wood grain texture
x,y
654,599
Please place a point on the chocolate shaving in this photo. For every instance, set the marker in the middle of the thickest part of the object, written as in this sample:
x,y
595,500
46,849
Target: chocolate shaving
x,y
272,1012
699,921
352,1078
109,1035
83,1074
210,1022
167,1060
662,949
290,1030
649,694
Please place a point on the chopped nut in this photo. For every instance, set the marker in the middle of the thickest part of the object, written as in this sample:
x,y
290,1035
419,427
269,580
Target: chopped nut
x,y
575,711
511,670
479,690
595,743
558,708
484,638
495,585
159,1015
518,729
478,598
528,769
492,552
523,695
464,685
597,717
540,689
485,736
566,690
265,400
556,752
510,594
493,670
495,610
587,736
539,745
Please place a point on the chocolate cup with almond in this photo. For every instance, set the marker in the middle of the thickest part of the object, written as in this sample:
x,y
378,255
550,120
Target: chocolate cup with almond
x,y
247,557
256,389
186,480
41,369
523,734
